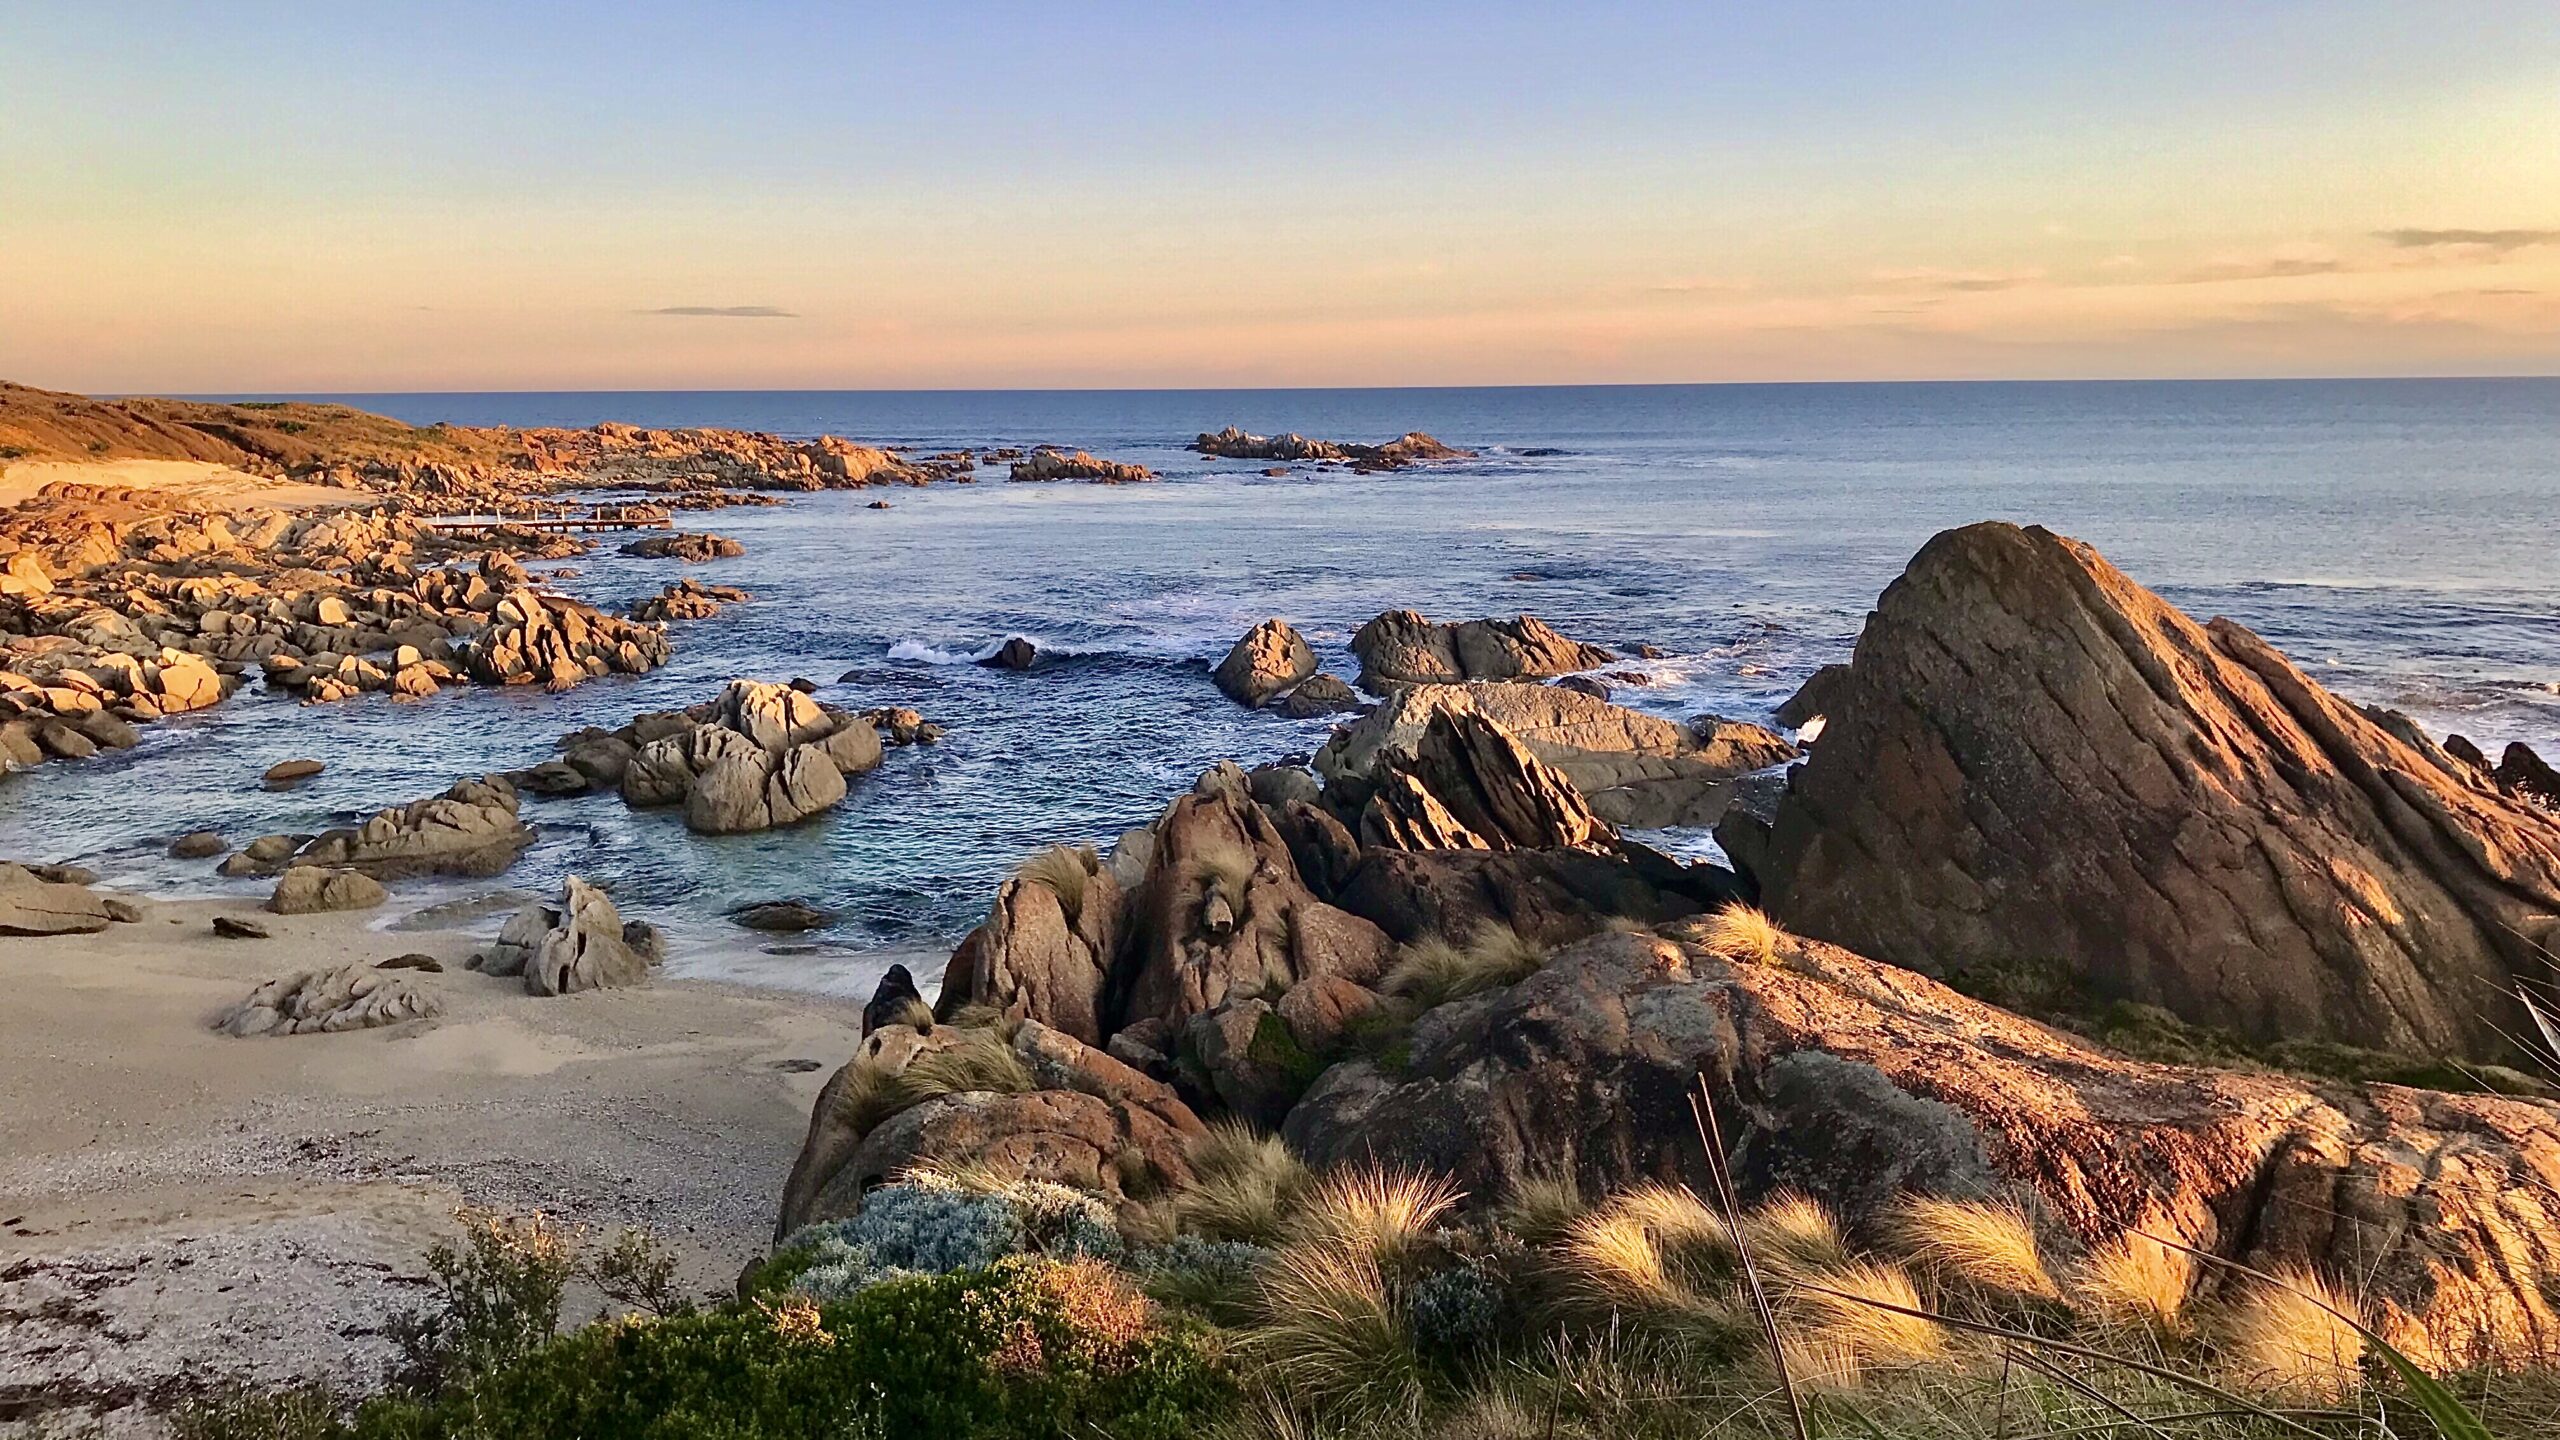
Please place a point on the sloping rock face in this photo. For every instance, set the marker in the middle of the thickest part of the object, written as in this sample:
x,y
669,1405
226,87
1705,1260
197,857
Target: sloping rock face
x,y
1400,647
1270,660
351,997
2036,764
1469,786
1856,1082
33,905
1636,770
580,943
758,756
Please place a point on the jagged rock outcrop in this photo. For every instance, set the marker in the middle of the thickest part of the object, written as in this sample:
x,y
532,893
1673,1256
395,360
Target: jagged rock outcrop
x,y
1269,661
534,638
471,829
1412,448
1855,1082
33,903
690,547
2037,765
687,599
1636,770
1467,785
1400,648
579,943
1048,463
2522,772
1223,913
350,997
758,756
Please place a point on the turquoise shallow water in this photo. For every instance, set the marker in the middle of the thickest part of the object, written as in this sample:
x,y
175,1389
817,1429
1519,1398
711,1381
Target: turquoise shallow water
x,y
2395,537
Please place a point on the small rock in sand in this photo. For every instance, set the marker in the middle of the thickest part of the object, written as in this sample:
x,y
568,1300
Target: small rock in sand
x,y
412,961
310,889
233,927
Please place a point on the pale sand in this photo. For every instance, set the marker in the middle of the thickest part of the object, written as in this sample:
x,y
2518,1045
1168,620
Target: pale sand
x,y
176,1205
204,481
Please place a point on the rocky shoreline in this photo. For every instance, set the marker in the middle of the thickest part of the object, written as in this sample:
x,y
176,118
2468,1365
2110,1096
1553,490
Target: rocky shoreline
x,y
2050,897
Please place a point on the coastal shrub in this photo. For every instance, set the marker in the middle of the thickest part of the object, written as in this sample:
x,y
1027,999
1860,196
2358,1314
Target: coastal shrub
x,y
1458,1311
1218,1278
635,1271
1028,1348
497,1296
905,1229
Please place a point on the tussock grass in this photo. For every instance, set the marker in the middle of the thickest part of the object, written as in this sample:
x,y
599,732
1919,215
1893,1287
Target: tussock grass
x,y
915,1015
1695,1242
1432,971
1539,1208
1836,1328
1387,1215
1066,870
2288,1339
872,1092
1246,1185
1794,1233
1743,934
2135,1284
1988,1246
1226,869
1332,1330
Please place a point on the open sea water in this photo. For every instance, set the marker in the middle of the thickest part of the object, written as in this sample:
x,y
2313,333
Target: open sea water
x,y
2400,539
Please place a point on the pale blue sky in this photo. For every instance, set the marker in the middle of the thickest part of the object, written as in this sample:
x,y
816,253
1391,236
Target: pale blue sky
x,y
264,195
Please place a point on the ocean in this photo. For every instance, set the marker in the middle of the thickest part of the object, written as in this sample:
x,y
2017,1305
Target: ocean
x,y
2397,538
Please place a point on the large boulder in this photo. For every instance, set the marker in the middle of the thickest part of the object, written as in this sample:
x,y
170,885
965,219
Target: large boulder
x,y
315,889
1636,770
580,943
1856,1083
351,997
1270,660
1223,913
2038,767
1400,647
758,756
1047,947
1089,1121
31,904
471,829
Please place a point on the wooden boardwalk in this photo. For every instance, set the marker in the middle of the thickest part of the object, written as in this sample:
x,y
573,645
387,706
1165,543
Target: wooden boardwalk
x,y
561,526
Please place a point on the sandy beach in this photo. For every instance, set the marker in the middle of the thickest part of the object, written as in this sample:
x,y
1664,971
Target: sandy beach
x,y
176,1204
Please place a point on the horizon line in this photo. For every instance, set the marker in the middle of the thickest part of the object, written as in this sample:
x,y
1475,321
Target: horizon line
x,y
222,395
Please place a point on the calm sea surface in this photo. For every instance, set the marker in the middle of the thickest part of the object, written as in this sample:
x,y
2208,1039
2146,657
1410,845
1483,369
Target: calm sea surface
x,y
2400,539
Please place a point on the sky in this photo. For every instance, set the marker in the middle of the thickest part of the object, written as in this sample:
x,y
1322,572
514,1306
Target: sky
x,y
372,195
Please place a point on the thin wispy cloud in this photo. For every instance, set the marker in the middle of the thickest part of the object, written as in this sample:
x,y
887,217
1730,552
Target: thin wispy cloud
x,y
2500,241
2284,265
725,312
1958,280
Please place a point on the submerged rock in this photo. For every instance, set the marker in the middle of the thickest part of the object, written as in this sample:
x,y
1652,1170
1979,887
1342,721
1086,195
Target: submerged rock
x,y
1412,448
693,549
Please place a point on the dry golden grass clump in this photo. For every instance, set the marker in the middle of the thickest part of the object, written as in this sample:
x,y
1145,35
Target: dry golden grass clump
x,y
981,1061
1224,869
2288,1336
1385,1214
1984,1245
1846,1321
1743,934
1432,971
1539,1208
2135,1283
1246,1185
1066,870
1794,1232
